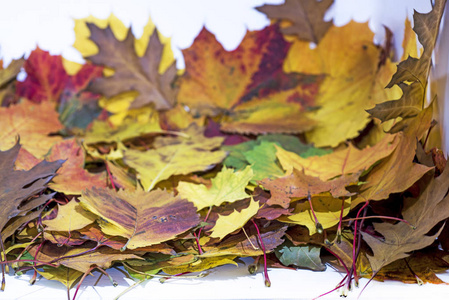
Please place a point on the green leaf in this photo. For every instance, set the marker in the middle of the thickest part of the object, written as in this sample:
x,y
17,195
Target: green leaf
x,y
300,256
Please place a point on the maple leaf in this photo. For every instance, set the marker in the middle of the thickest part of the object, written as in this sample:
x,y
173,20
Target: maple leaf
x,y
227,186
236,220
327,210
247,84
47,78
144,218
345,161
9,73
299,185
134,124
305,18
352,75
175,155
17,186
72,177
412,73
382,180
33,123
70,217
424,213
132,72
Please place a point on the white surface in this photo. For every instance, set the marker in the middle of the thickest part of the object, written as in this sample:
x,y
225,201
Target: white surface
x,y
226,282
49,23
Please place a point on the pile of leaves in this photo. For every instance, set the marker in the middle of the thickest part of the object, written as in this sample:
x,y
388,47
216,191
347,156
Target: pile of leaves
x,y
304,147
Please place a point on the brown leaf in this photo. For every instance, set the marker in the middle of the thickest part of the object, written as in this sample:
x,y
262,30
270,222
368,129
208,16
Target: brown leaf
x,y
299,185
72,177
131,71
305,17
143,218
424,213
17,186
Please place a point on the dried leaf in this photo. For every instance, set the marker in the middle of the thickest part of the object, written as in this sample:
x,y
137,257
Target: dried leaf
x,y
143,218
131,71
305,18
236,220
70,217
227,186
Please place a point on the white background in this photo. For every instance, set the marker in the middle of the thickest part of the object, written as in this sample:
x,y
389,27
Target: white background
x,y
49,24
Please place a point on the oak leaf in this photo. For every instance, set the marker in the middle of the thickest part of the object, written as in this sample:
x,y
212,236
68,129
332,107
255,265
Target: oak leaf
x,y
132,72
72,178
184,154
304,17
236,220
33,123
227,186
17,186
424,213
144,218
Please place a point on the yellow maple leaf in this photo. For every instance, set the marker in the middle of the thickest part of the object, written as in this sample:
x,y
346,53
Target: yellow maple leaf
x,y
227,186
345,161
327,210
352,83
178,155
236,220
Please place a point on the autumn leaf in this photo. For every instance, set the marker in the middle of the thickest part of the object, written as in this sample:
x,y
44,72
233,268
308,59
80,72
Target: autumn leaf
x,y
202,264
72,177
33,123
300,256
245,245
184,154
17,186
88,48
382,180
344,161
412,73
299,185
424,213
227,186
132,72
68,277
47,78
79,258
327,210
70,217
352,75
304,17
236,220
134,124
254,95
10,72
144,218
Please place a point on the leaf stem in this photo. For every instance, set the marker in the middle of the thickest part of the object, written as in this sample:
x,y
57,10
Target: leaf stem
x,y
319,227
267,279
380,217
